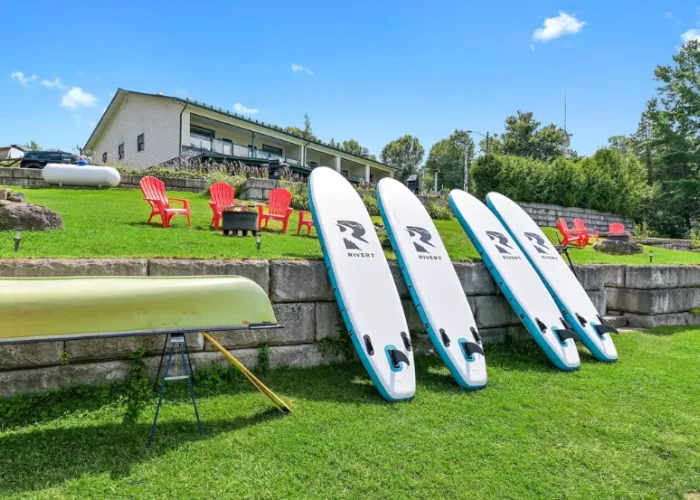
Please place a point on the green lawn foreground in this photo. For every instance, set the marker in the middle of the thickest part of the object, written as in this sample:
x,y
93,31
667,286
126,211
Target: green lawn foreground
x,y
624,430
112,223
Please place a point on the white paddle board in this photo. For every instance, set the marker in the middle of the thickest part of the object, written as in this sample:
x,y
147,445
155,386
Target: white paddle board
x,y
363,284
433,283
517,279
573,301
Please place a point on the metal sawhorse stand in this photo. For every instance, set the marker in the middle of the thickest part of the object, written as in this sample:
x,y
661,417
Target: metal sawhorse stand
x,y
177,343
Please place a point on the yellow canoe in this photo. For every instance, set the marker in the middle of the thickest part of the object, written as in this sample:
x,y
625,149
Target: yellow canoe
x,y
35,309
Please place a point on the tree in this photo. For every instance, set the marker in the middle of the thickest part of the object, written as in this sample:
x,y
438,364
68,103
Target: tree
x,y
668,142
307,133
524,136
33,146
447,155
405,154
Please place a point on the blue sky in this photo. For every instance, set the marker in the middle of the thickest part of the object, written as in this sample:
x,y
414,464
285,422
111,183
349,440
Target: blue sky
x,y
371,71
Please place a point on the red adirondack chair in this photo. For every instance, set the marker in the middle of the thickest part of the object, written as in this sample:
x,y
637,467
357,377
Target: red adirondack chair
x,y
616,229
580,225
222,195
305,220
277,209
154,193
571,235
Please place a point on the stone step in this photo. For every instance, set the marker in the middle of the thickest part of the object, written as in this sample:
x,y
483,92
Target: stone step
x,y
616,321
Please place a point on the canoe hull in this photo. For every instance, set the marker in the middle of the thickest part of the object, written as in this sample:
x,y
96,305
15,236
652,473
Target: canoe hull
x,y
51,309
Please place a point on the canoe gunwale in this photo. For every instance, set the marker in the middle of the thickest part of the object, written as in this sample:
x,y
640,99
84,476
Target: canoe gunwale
x,y
135,333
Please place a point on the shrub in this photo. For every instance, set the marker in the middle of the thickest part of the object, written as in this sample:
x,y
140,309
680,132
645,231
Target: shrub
x,y
438,211
300,200
235,181
608,181
371,205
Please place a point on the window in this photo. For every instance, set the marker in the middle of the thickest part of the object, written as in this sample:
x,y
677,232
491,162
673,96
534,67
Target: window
x,y
53,156
140,142
345,173
104,157
120,151
204,132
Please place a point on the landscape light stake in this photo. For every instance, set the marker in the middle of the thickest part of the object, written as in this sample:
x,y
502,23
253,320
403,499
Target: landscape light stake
x,y
18,239
258,241
651,256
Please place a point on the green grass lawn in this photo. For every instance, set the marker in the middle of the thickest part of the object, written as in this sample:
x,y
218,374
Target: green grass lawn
x,y
624,430
112,223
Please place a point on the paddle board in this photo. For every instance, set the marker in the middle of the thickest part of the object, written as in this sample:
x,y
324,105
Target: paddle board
x,y
433,283
363,284
517,279
573,301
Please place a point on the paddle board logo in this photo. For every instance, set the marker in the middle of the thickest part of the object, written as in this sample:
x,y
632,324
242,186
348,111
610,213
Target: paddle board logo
x,y
424,237
502,244
354,238
540,245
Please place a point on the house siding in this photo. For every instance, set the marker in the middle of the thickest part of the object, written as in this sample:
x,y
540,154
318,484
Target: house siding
x,y
157,119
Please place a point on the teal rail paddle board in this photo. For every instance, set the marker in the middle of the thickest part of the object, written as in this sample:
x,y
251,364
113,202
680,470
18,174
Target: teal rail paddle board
x,y
363,284
518,280
566,290
433,283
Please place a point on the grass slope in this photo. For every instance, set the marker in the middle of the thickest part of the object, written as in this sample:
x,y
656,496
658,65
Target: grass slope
x,y
627,430
112,223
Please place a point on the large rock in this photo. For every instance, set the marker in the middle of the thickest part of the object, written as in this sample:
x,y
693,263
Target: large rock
x,y
256,270
122,347
27,217
302,356
662,276
591,277
654,320
298,320
613,274
5,193
618,247
30,355
53,268
16,197
299,281
475,279
45,379
492,310
329,321
654,301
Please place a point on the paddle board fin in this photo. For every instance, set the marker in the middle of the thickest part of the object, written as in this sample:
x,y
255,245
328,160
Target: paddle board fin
x,y
406,341
470,348
565,333
603,329
476,334
398,357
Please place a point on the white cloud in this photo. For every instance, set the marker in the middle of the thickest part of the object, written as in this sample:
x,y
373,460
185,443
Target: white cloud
x,y
53,83
693,34
668,15
77,97
555,27
22,79
240,108
298,67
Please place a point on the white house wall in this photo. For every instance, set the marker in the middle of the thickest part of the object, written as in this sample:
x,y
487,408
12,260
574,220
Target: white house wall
x,y
158,119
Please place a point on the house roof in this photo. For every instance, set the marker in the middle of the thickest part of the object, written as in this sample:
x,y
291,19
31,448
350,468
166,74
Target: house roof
x,y
122,92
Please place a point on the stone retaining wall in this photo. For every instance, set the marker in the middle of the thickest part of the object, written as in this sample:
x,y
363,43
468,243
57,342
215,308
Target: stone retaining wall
x,y
546,215
650,296
302,298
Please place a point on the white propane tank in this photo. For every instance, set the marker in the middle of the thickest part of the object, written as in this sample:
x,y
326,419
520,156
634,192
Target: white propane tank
x,y
77,175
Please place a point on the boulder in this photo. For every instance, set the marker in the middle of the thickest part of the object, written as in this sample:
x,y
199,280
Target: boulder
x,y
16,197
5,193
618,247
26,216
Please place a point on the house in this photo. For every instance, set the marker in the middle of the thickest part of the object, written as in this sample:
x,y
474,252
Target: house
x,y
140,130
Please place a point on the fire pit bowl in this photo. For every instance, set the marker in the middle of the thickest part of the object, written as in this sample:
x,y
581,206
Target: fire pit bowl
x,y
238,218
